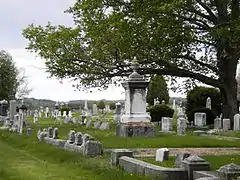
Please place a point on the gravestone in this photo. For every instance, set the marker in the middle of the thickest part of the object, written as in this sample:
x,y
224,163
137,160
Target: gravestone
x,y
226,124
78,139
135,116
118,112
89,124
105,126
35,116
236,122
180,157
55,133
70,114
64,113
50,132
229,171
167,124
86,137
162,154
200,119
181,124
194,163
217,123
94,109
13,108
208,103
46,112
97,124
71,137
29,131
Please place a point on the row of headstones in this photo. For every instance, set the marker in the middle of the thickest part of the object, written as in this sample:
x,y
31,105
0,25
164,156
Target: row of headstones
x,y
84,143
219,123
98,125
196,167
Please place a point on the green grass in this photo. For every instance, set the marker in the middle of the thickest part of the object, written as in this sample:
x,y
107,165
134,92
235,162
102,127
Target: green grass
x,y
215,161
110,140
230,134
24,158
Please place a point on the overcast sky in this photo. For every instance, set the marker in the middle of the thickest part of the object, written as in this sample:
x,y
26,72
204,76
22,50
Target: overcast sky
x,y
14,17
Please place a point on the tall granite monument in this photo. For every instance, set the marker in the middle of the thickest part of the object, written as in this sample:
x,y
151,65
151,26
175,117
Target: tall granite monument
x,y
135,121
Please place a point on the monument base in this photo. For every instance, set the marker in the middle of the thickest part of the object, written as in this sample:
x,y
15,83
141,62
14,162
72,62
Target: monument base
x,y
145,118
135,129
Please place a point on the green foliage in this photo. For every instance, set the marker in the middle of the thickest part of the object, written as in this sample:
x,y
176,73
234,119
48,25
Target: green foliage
x,y
64,108
8,76
157,89
159,111
112,106
101,105
196,101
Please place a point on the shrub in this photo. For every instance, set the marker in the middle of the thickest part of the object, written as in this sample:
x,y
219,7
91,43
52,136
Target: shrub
x,y
159,111
196,99
210,115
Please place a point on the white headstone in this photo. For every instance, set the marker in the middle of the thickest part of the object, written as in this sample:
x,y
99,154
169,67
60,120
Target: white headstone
x,y
64,113
95,109
35,116
162,154
70,114
200,119
226,124
181,124
236,122
208,103
167,124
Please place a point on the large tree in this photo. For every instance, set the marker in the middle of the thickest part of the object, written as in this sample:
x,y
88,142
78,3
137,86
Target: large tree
x,y
197,39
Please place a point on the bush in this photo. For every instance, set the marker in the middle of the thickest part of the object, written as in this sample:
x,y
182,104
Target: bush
x,y
210,115
159,111
196,99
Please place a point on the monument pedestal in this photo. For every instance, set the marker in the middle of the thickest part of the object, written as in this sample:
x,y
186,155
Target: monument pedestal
x,y
135,129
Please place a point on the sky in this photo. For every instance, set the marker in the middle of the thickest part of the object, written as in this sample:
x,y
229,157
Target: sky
x,y
17,15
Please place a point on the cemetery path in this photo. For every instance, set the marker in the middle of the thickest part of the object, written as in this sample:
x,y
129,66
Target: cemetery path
x,y
150,152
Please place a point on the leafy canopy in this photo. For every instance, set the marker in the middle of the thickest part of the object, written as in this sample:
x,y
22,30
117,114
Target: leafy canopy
x,y
184,38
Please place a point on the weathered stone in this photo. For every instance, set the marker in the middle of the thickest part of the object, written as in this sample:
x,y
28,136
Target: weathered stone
x,y
29,131
71,137
200,119
236,122
97,124
199,132
195,163
167,124
136,130
78,139
162,154
89,124
93,148
180,157
217,123
229,171
50,132
105,126
226,124
117,153
87,137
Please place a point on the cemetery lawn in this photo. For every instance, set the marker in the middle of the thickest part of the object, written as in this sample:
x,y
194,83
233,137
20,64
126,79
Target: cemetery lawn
x,y
110,140
25,158
215,161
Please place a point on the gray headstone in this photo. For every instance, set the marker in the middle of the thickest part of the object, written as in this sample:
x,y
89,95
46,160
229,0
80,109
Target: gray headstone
x,y
117,153
180,157
97,124
105,126
236,122
78,139
29,131
229,171
226,124
89,124
71,137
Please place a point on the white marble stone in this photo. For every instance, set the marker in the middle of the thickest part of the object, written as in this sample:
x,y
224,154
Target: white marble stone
x,y
167,124
226,124
162,154
200,119
236,122
208,103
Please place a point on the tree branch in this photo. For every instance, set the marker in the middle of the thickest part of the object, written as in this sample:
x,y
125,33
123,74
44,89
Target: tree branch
x,y
208,9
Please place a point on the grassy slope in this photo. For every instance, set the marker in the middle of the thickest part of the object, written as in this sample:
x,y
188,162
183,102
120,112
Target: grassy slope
x,y
23,158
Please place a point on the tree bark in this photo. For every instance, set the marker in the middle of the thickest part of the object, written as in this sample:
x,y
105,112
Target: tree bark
x,y
227,63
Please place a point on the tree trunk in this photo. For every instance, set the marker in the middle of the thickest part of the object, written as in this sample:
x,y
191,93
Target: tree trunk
x,y
227,63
